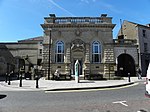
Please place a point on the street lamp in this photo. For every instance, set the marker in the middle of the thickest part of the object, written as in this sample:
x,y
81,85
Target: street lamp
x,y
49,54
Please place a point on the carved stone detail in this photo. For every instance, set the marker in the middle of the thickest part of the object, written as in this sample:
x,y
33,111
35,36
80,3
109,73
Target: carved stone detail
x,y
78,43
78,32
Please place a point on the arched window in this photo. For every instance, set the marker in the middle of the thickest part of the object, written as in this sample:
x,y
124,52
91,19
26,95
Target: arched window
x,y
59,52
96,52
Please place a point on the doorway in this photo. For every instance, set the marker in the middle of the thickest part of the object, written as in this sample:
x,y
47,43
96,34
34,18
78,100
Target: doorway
x,y
125,65
80,66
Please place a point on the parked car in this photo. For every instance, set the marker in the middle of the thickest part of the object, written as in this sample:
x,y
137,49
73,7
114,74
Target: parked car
x,y
147,93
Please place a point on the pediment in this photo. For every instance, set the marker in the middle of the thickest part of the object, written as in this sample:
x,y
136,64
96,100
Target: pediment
x,y
77,44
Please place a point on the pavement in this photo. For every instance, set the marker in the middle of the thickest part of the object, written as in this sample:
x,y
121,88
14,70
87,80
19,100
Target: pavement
x,y
50,85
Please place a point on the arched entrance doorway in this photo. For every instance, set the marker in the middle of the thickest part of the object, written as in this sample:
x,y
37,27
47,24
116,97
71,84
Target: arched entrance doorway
x,y
125,65
77,53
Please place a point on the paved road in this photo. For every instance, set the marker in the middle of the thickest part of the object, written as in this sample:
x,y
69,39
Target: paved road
x,y
130,99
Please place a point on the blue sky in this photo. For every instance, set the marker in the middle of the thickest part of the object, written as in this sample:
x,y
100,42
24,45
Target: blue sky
x,y
21,19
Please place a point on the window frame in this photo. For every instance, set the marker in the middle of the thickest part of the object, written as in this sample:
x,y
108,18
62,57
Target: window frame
x,y
96,50
59,52
144,33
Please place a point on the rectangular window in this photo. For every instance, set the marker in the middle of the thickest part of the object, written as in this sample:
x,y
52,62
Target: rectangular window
x,y
145,47
144,33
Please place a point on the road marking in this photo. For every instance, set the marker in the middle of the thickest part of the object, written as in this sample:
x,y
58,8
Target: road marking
x,y
142,110
85,90
121,102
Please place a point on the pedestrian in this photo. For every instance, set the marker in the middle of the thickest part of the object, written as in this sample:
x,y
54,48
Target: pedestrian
x,y
6,77
56,74
139,73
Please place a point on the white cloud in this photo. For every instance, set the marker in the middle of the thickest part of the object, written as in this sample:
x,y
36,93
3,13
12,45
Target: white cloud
x,y
60,7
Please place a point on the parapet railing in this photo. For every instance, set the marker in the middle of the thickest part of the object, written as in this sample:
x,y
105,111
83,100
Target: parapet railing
x,y
70,20
124,41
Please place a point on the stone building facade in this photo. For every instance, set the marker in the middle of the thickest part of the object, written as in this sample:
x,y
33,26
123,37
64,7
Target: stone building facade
x,y
6,60
22,55
141,35
86,39
126,55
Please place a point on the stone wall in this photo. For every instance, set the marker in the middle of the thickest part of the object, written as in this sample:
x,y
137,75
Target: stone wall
x,y
69,30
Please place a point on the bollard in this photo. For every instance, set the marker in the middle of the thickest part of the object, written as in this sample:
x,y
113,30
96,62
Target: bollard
x,y
129,77
37,78
6,77
9,79
20,77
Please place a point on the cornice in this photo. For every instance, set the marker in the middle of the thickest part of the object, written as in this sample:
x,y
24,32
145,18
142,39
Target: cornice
x,y
77,25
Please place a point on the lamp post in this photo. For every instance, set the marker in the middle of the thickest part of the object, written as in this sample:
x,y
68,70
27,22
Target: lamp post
x,y
49,54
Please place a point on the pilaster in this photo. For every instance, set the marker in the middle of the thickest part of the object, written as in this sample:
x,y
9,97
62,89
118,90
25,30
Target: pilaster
x,y
109,62
47,60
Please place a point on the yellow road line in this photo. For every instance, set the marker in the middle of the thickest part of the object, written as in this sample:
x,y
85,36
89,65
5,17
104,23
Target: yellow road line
x,y
99,89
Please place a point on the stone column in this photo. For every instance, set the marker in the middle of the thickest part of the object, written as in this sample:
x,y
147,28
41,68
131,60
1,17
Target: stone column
x,y
109,62
46,60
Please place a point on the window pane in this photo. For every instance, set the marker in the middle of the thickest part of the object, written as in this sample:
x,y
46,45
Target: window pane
x,y
96,49
58,57
96,57
59,49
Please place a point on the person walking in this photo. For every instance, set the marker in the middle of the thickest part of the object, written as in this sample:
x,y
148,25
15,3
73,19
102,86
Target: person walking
x,y
139,73
56,74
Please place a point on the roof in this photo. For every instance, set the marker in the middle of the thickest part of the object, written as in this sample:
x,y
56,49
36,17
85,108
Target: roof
x,y
34,39
138,24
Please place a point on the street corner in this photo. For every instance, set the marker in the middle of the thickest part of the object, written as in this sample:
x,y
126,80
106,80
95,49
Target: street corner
x,y
96,88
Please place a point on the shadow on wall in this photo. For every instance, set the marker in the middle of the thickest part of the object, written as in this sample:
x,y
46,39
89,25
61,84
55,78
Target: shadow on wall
x,y
6,60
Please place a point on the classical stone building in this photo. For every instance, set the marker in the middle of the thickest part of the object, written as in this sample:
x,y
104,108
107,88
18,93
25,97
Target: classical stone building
x,y
141,35
86,39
